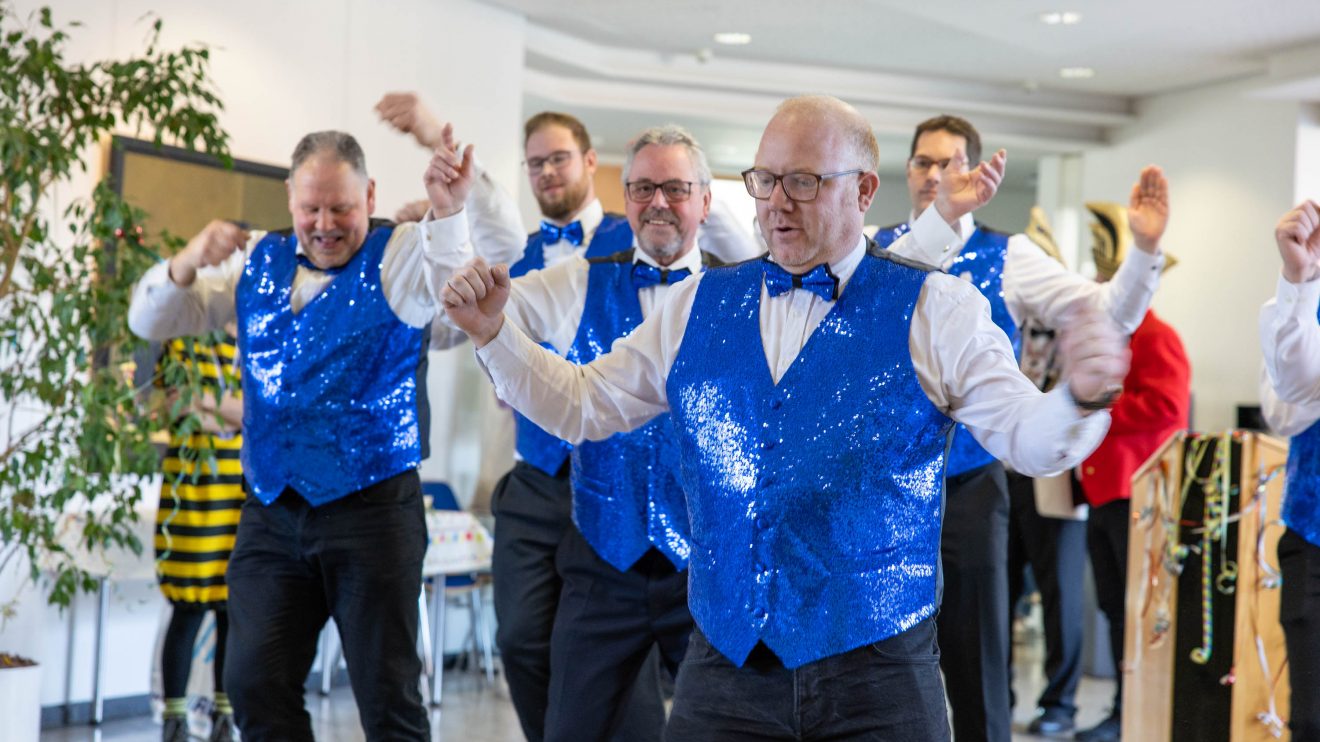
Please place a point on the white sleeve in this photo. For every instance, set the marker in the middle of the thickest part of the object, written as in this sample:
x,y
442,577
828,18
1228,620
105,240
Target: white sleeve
x,y
618,391
161,310
725,238
1036,285
967,368
547,304
1290,341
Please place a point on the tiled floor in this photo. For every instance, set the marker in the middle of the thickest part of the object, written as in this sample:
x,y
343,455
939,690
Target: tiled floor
x,y
476,712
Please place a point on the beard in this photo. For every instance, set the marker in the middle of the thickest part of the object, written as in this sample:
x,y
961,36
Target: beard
x,y
663,251
568,202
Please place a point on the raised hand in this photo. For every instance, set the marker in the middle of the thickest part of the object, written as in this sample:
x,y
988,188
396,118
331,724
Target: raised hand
x,y
1298,237
474,297
449,177
212,246
962,192
1148,210
406,113
1095,355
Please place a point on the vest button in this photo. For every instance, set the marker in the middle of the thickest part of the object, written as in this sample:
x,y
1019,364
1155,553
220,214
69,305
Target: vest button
x,y
766,481
760,568
761,614
768,445
762,523
776,403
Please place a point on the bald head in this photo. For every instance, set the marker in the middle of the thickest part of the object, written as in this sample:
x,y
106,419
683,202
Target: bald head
x,y
831,114
827,140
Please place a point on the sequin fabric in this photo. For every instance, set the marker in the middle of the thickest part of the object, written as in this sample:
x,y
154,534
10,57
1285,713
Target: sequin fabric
x,y
1301,502
981,262
329,393
626,493
815,504
535,446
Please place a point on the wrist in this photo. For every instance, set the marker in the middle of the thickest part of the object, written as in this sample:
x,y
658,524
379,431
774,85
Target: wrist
x,y
488,335
1150,247
1294,275
181,271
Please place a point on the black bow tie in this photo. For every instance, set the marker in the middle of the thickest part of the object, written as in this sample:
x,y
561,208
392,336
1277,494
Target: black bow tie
x,y
307,263
645,274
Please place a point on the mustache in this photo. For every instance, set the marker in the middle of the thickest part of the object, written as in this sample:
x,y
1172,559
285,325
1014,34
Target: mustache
x,y
653,214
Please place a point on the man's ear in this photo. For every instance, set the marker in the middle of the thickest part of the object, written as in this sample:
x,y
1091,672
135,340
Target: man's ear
x,y
868,185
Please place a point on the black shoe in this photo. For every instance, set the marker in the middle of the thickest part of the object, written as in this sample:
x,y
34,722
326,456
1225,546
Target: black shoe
x,y
175,729
1051,722
222,727
1106,731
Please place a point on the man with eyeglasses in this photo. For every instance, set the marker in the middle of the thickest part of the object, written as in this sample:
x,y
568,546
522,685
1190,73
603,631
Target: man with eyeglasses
x,y
624,557
811,394
1019,281
532,502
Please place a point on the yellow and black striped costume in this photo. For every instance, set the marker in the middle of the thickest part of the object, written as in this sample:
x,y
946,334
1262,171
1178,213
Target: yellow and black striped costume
x,y
198,518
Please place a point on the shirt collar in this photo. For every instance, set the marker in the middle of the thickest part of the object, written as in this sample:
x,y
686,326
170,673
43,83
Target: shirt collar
x,y
844,267
691,261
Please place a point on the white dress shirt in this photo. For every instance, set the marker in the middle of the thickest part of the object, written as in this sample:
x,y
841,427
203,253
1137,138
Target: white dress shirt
x,y
963,361
412,271
1290,343
1036,285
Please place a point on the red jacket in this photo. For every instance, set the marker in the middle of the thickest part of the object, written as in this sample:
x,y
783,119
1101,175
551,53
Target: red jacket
x,y
1156,402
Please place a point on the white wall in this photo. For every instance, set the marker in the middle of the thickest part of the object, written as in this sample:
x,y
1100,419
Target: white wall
x,y
1230,162
284,69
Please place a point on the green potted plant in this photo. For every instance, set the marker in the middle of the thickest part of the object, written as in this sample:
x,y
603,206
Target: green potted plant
x,y
71,429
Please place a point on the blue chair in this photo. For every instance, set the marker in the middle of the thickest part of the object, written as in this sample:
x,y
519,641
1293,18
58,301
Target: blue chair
x,y
454,585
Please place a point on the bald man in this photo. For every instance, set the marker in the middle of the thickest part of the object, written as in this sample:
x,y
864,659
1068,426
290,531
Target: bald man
x,y
812,393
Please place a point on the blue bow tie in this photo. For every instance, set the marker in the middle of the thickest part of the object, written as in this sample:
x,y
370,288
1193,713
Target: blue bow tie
x,y
819,280
645,274
552,233
307,263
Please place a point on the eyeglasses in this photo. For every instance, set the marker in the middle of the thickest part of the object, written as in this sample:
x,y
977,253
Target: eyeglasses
x,y
797,186
922,163
556,160
642,191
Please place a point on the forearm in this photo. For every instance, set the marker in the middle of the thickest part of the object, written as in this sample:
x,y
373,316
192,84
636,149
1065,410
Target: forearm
x,y
161,310
1290,342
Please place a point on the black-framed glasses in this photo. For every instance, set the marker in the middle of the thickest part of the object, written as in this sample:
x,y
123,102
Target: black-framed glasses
x,y
556,160
922,163
797,186
642,191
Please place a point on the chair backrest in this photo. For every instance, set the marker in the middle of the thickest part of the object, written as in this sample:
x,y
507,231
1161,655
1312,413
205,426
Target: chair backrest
x,y
442,496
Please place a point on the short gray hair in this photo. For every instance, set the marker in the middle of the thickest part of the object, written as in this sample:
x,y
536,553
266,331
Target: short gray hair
x,y
667,136
343,147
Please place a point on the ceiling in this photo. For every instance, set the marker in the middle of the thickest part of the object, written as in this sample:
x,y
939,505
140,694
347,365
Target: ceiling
x,y
625,65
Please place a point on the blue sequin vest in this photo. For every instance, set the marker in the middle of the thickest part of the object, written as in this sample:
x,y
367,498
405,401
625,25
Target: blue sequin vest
x,y
535,446
329,393
814,503
983,258
626,494
1301,502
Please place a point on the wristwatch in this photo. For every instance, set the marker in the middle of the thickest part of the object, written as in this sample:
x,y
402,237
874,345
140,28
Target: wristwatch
x,y
1103,402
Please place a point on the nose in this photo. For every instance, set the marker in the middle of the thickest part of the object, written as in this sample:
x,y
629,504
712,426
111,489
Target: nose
x,y
779,199
324,220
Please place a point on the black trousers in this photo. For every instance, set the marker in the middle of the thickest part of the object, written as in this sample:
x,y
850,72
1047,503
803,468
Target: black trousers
x,y
357,559
974,613
607,625
1107,542
1056,550
176,655
886,691
533,517
1299,613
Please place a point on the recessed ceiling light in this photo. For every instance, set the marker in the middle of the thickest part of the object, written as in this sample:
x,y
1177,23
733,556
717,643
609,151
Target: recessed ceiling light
x,y
733,38
1076,73
1060,18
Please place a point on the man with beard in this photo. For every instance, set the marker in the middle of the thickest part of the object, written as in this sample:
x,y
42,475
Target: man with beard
x,y
624,557
332,318
1019,281
811,394
532,503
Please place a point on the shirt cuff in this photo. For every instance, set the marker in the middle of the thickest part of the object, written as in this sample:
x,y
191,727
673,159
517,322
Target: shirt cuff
x,y
159,286
445,236
502,355
1076,437
1301,300
933,237
1147,266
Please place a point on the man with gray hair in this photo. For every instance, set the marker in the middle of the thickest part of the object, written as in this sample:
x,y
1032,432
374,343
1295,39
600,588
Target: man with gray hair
x,y
332,318
624,558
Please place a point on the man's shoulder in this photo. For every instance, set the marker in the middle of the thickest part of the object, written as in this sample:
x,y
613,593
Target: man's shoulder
x,y
874,250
